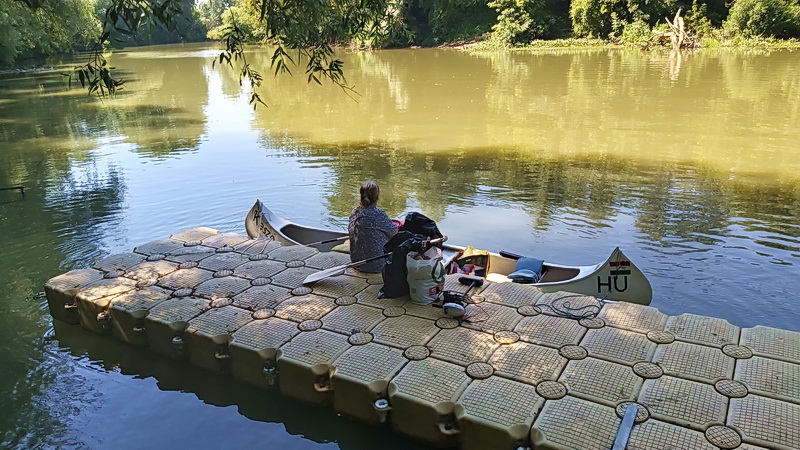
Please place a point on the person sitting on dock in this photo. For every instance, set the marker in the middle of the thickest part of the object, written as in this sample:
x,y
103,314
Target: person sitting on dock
x,y
370,229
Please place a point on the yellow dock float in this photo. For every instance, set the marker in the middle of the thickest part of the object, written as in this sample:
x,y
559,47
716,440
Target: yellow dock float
x,y
520,375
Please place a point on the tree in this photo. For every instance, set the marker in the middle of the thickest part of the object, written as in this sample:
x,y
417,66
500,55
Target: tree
x,y
309,27
36,28
750,18
520,21
210,12
244,16
607,18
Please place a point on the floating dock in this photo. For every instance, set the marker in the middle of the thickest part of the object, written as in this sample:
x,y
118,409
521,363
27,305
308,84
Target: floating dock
x,y
519,375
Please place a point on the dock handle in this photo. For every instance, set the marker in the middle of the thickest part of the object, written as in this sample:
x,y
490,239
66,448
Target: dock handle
x,y
448,429
447,425
270,372
382,408
179,345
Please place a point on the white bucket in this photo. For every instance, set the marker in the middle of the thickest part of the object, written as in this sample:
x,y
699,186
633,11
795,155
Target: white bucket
x,y
425,275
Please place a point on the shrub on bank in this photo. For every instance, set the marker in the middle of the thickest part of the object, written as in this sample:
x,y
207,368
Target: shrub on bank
x,y
756,18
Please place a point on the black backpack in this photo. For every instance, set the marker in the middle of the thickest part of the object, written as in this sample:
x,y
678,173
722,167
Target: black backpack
x,y
414,235
395,271
419,224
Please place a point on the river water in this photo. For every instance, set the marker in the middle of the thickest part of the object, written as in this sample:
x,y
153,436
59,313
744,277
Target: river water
x,y
690,163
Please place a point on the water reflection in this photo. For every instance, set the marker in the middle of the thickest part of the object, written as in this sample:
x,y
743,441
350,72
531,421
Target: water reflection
x,y
670,205
214,408
560,155
594,103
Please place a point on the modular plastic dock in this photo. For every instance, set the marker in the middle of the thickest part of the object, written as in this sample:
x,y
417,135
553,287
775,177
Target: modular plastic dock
x,y
519,375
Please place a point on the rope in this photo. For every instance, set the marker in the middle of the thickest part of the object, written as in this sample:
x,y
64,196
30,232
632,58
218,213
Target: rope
x,y
566,310
468,317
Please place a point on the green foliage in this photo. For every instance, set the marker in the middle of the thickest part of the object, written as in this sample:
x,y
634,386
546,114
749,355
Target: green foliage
x,y
47,28
521,21
308,27
715,10
244,16
567,43
182,22
210,12
636,33
697,20
434,22
454,20
41,28
513,21
609,18
752,18
591,18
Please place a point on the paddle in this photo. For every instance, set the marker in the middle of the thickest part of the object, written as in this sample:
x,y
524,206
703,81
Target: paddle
x,y
338,270
326,241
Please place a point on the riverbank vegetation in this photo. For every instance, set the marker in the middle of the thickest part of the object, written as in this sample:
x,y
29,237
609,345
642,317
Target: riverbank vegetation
x,y
551,23
35,29
32,30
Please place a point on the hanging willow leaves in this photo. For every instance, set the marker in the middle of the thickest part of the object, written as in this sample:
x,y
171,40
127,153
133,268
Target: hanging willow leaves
x,y
310,27
122,17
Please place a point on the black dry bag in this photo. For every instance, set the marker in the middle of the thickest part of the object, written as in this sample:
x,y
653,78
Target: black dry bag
x,y
419,224
395,272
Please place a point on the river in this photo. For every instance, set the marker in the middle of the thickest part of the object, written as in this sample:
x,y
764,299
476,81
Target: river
x,y
690,164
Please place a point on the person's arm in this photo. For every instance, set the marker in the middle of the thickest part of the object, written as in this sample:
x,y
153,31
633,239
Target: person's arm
x,y
387,226
352,225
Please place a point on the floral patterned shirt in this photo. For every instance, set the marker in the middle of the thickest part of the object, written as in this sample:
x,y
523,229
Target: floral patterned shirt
x,y
370,229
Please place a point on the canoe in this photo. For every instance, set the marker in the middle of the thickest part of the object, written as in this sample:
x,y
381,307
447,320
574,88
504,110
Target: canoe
x,y
616,278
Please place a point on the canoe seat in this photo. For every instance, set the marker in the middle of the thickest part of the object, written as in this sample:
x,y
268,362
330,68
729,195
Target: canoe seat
x,y
344,247
558,274
498,278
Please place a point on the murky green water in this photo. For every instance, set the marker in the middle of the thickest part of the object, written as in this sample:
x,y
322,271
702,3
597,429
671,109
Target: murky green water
x,y
691,166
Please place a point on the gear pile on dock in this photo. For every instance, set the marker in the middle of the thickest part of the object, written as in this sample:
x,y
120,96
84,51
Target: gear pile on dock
x,y
518,375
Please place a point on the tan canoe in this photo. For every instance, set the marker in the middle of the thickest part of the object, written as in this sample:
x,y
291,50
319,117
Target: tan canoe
x,y
616,278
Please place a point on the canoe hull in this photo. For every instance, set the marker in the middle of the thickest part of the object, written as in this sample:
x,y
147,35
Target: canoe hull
x,y
617,278
263,223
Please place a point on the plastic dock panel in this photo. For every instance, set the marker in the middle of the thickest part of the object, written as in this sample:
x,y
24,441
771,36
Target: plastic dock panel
x,y
423,398
496,413
305,364
61,292
522,372
166,323
94,301
362,378
128,311
208,335
254,349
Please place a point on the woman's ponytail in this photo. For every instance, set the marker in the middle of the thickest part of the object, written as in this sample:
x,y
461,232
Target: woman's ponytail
x,y
370,192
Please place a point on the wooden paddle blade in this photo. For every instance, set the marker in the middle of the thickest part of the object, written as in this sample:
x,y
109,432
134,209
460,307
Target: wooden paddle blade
x,y
322,274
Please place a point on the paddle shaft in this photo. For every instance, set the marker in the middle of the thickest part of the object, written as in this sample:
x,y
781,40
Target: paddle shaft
x,y
358,263
433,241
328,241
332,272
